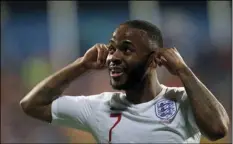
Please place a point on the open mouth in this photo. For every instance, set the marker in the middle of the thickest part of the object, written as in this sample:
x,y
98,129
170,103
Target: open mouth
x,y
116,72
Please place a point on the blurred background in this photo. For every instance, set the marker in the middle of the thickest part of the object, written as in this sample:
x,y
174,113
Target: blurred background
x,y
39,38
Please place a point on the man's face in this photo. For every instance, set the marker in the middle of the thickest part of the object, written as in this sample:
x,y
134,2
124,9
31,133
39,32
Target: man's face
x,y
128,57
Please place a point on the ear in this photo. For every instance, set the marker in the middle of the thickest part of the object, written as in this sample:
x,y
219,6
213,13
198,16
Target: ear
x,y
152,63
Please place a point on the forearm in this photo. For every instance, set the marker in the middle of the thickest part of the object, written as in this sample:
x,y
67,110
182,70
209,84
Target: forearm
x,y
210,115
53,86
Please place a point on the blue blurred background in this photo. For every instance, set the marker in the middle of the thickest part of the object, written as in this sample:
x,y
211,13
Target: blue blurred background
x,y
39,38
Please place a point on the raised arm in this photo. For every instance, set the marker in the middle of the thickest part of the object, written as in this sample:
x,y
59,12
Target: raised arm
x,y
37,103
209,113
210,116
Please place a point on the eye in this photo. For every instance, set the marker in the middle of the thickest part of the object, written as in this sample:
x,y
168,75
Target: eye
x,y
127,49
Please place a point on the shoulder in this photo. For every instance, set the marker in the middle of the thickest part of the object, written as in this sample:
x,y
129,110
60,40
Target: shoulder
x,y
85,99
103,100
176,93
176,89
102,97
91,102
96,100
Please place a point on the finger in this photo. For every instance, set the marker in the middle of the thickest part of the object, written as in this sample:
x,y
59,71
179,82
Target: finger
x,y
151,57
100,57
165,63
175,49
156,53
162,50
105,46
169,54
157,57
105,54
151,61
158,61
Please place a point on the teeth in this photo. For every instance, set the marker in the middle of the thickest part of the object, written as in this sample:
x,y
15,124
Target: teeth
x,y
116,71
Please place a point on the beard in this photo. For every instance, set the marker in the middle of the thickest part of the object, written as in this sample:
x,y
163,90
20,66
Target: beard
x,y
133,79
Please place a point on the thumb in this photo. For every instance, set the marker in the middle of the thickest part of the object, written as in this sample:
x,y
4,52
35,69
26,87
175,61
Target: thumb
x,y
160,51
97,65
165,63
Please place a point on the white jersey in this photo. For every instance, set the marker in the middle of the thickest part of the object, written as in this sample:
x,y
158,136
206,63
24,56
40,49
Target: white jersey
x,y
109,117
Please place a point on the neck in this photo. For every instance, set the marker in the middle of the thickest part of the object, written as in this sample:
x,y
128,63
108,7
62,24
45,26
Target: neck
x,y
145,91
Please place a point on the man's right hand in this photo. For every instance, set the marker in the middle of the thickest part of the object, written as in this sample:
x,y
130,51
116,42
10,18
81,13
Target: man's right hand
x,y
95,57
37,103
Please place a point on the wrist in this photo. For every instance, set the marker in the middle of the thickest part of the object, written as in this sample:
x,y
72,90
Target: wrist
x,y
74,69
85,65
79,64
184,71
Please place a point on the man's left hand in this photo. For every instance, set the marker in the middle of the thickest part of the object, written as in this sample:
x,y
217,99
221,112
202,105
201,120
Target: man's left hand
x,y
171,59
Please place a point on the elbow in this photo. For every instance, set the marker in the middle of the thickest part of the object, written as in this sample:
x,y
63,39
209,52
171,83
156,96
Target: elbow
x,y
220,132
218,135
42,113
28,108
25,106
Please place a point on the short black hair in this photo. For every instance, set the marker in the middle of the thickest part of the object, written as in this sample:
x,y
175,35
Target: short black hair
x,y
152,30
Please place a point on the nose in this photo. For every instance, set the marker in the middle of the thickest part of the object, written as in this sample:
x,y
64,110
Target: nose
x,y
115,58
115,61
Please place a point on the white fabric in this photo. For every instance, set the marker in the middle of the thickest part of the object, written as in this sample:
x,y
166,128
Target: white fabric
x,y
161,120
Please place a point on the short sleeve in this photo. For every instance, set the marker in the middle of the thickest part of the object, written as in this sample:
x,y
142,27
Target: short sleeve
x,y
71,111
189,116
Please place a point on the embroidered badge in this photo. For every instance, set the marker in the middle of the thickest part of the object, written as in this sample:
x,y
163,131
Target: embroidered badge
x,y
165,109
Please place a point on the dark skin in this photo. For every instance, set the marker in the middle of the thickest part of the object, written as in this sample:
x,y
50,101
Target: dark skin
x,y
129,51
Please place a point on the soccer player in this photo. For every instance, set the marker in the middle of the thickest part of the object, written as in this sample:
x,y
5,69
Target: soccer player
x,y
146,111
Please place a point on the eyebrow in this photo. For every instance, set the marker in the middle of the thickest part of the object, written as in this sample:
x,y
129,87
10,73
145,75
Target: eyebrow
x,y
122,42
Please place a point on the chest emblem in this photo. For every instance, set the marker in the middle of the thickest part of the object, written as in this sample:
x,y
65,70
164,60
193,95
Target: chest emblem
x,y
165,109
